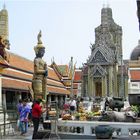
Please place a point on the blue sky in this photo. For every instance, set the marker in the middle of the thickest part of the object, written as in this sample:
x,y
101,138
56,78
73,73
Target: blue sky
x,y
67,27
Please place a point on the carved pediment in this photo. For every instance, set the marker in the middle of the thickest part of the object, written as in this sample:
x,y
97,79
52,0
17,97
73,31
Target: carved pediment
x,y
99,57
102,55
98,71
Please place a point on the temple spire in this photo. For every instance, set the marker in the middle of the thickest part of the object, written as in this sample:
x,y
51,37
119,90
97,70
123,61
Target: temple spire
x,y
106,4
4,6
4,31
106,15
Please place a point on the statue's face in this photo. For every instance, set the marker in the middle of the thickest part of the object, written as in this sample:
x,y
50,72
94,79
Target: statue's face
x,y
41,52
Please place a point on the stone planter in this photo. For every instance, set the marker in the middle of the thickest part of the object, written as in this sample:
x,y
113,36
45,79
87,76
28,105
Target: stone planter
x,y
103,131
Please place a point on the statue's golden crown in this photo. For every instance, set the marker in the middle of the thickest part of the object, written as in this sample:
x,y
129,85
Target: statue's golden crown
x,y
39,44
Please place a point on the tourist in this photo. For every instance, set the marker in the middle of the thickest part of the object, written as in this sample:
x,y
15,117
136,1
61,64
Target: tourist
x,y
81,104
106,104
67,104
65,111
19,106
36,114
73,105
24,117
29,104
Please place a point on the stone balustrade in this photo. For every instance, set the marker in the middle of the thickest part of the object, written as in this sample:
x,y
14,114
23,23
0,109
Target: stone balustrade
x,y
88,128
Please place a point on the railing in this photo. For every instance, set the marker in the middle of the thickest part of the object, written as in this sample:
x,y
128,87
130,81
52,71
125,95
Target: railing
x,y
88,128
8,120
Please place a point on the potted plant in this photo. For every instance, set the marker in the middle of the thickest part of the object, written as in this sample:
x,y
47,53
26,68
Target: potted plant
x,y
136,109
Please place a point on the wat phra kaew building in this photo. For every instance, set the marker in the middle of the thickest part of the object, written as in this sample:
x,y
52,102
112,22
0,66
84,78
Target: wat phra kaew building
x,y
104,73
16,74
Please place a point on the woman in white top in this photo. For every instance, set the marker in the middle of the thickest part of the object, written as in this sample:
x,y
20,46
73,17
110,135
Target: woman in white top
x,y
72,105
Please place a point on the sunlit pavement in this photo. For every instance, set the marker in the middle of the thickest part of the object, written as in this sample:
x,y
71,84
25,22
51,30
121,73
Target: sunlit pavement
x,y
16,135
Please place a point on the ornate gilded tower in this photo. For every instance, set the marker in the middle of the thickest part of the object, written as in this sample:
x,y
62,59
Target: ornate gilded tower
x,y
4,42
102,72
4,23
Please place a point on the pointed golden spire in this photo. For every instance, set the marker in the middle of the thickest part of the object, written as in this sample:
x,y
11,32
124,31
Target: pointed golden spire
x,y
39,43
39,37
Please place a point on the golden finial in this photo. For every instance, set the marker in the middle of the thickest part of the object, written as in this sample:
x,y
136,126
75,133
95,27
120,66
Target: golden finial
x,y
39,37
39,44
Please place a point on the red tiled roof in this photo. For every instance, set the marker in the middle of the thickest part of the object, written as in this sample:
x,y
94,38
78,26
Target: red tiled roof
x,y
18,74
15,84
25,64
18,62
77,76
55,83
57,90
29,77
21,62
23,85
52,74
135,74
55,68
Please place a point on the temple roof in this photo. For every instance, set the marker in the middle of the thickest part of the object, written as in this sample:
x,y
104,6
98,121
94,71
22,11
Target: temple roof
x,y
102,54
63,69
107,48
20,72
135,75
78,75
20,62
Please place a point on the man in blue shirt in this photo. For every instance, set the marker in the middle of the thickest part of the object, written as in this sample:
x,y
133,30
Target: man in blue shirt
x,y
25,110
